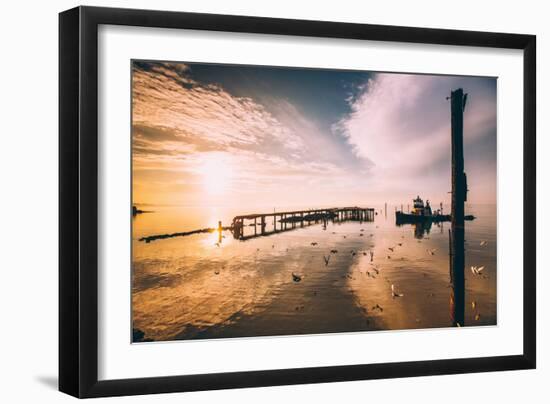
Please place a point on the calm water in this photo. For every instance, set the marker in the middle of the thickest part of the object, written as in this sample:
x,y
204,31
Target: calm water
x,y
213,286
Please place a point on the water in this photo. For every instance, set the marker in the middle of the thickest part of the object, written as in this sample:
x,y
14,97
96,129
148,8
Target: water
x,y
213,286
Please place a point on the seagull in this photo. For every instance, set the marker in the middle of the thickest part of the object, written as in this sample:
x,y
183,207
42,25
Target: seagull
x,y
327,259
483,243
391,248
296,278
314,243
477,270
399,244
432,251
216,272
474,305
394,292
333,251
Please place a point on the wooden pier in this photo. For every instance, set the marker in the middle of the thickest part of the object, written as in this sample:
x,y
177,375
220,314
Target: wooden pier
x,y
284,221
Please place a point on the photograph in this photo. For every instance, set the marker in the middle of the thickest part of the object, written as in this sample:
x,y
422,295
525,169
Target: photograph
x,y
273,201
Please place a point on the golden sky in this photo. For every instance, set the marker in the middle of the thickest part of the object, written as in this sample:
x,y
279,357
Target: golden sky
x,y
228,135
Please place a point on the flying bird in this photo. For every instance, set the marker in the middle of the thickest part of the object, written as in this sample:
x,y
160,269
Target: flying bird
x,y
296,278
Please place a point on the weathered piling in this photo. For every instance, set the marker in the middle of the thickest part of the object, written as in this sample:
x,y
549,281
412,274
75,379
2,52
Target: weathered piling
x,y
459,191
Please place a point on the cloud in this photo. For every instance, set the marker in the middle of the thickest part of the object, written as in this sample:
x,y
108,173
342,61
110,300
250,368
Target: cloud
x,y
400,125
166,99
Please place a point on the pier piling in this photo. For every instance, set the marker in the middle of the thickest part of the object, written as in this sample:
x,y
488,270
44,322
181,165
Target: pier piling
x,y
459,190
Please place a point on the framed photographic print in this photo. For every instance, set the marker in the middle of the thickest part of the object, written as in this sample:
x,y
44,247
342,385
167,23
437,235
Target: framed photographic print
x,y
250,201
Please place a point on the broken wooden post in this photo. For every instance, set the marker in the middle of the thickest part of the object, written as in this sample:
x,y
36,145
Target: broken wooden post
x,y
458,178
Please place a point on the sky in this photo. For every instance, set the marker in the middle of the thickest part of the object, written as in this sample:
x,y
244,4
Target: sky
x,y
257,136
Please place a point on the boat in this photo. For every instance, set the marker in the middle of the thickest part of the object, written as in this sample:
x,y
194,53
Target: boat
x,y
423,213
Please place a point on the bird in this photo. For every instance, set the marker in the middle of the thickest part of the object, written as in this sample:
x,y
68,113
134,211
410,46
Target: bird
x,y
399,244
216,272
394,292
327,259
477,270
432,251
391,248
296,278
483,243
314,243
333,251
474,304
477,317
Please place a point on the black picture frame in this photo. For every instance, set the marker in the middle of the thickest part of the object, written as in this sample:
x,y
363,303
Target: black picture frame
x,y
78,200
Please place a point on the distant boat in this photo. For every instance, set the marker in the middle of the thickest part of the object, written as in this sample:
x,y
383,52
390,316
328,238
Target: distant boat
x,y
423,213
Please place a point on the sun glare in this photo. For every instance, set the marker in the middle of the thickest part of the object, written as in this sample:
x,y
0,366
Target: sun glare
x,y
216,173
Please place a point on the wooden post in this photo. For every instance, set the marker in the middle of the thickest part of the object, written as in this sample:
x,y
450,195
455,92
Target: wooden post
x,y
458,178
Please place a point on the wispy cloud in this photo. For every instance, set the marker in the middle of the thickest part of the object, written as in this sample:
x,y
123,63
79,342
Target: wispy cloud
x,y
165,98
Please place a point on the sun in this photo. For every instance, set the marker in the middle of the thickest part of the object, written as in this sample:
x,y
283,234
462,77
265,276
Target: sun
x,y
216,173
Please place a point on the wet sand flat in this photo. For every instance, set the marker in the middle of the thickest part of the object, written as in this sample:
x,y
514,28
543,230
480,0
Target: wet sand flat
x,y
204,286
